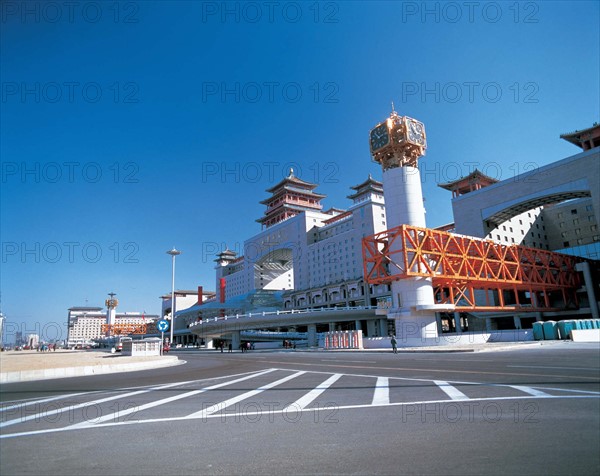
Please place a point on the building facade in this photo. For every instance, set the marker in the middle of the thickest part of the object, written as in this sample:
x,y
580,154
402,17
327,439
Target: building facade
x,y
84,324
314,255
308,258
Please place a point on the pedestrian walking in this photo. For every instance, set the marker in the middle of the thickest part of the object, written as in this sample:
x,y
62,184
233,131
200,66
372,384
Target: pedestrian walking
x,y
394,342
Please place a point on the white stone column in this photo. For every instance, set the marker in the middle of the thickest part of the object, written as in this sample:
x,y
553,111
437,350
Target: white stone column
x,y
410,296
584,267
235,340
311,335
383,327
517,321
457,324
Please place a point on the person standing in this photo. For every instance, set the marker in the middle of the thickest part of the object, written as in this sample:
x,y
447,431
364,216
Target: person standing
x,y
394,343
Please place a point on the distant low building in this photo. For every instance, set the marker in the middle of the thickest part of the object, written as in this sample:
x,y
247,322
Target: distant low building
x,y
184,299
84,324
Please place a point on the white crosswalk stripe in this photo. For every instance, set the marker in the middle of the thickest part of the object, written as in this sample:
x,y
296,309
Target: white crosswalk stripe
x,y
310,387
381,396
531,391
451,391
307,399
232,401
164,401
93,403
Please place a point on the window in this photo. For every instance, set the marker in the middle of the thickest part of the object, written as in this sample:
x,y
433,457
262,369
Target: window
x,y
574,211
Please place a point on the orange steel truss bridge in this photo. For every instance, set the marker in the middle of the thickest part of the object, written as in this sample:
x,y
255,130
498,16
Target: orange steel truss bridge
x,y
123,329
472,274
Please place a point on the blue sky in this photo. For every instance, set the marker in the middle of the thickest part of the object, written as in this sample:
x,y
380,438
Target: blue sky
x,y
128,128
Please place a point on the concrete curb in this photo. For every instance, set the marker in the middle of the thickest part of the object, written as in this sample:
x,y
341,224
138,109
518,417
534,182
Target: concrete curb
x,y
87,370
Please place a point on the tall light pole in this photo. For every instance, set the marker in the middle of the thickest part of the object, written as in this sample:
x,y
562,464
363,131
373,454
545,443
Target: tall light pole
x,y
173,253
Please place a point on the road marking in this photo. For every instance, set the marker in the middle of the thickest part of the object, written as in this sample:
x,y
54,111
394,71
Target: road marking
x,y
307,399
452,392
69,408
246,414
232,401
27,402
163,401
381,396
451,371
531,391
378,401
351,361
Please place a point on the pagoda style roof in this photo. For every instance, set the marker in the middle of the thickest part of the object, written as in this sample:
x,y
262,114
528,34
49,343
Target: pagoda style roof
x,y
586,138
474,177
292,180
334,210
369,185
288,206
290,195
288,188
226,255
369,182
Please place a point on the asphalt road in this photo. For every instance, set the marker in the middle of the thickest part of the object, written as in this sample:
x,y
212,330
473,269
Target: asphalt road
x,y
534,410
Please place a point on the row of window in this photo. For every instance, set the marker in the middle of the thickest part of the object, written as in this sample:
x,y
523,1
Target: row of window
x,y
574,211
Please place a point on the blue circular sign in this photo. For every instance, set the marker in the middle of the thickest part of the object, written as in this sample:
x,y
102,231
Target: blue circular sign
x,y
162,325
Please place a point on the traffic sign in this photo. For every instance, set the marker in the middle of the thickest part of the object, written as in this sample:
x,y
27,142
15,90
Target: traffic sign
x,y
162,325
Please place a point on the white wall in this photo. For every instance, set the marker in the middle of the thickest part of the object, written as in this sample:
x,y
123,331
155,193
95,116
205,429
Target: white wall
x,y
467,338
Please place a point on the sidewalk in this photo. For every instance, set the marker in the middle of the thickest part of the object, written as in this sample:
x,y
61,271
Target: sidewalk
x,y
24,366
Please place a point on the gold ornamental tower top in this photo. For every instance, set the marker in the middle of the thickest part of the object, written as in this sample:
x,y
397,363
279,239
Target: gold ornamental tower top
x,y
398,141
111,303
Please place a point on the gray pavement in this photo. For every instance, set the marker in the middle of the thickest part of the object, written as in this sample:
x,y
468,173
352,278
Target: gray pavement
x,y
526,410
25,366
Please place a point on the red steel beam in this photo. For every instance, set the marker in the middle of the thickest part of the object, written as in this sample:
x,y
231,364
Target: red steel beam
x,y
466,266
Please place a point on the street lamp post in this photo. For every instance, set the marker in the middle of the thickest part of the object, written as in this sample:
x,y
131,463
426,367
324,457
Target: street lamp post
x,y
173,253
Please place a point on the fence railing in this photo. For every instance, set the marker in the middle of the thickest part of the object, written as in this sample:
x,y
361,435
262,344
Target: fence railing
x,y
282,313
